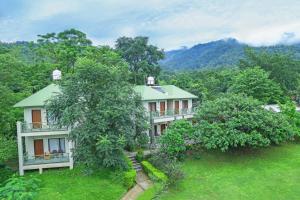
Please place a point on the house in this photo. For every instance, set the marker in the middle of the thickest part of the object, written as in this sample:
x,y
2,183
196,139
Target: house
x,y
165,104
43,144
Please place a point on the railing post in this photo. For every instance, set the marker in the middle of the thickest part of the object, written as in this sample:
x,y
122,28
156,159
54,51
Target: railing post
x,y
20,148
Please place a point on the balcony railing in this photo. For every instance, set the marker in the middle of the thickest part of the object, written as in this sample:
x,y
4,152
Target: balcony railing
x,y
46,159
40,127
171,113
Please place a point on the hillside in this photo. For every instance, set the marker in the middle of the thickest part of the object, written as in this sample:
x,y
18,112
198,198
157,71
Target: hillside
x,y
220,53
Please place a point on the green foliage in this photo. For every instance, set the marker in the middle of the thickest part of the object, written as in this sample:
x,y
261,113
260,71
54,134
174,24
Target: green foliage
x,y
283,68
153,172
172,142
255,82
234,121
292,115
8,148
129,175
139,155
20,188
5,173
64,48
142,57
108,115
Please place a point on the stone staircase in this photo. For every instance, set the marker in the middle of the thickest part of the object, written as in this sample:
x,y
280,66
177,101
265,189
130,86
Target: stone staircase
x,y
136,165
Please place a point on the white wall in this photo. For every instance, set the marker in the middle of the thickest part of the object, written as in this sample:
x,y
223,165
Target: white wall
x,y
29,143
28,114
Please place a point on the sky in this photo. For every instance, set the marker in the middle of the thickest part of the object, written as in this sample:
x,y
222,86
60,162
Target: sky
x,y
170,24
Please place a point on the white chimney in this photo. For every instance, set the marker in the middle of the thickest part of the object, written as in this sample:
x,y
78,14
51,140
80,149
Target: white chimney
x,y
56,74
150,80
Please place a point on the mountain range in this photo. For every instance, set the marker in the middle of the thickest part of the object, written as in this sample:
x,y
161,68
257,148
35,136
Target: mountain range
x,y
220,53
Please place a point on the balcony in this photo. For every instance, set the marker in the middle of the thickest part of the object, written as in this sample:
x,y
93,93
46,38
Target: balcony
x,y
46,159
172,113
41,127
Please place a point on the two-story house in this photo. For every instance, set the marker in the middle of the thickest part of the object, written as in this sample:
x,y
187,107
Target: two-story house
x,y
165,104
43,144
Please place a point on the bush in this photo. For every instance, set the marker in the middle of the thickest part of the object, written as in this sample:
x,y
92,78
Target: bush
x,y
172,142
20,188
5,173
154,172
235,121
8,148
129,176
140,155
169,166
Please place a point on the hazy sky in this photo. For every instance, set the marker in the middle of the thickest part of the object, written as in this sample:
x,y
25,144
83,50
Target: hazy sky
x,y
170,24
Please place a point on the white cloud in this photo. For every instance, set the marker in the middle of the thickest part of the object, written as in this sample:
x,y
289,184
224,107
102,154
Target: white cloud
x,y
169,24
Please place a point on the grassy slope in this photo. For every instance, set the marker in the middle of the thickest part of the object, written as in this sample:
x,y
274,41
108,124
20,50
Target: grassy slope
x,y
272,173
65,184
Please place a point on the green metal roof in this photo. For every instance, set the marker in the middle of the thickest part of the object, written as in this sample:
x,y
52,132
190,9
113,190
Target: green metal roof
x,y
147,93
39,98
162,92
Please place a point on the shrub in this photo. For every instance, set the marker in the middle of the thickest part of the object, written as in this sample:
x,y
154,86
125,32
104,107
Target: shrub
x,y
167,165
129,175
154,172
234,121
5,173
140,155
129,178
20,188
8,148
172,142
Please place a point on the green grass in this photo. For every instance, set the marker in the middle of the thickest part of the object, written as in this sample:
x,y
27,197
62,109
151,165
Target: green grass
x,y
272,173
65,184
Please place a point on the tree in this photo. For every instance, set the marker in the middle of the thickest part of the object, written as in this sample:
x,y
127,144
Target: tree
x,y
172,142
288,109
142,57
255,82
63,48
105,114
235,121
283,68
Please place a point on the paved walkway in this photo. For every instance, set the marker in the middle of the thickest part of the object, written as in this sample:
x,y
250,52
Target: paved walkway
x,y
143,183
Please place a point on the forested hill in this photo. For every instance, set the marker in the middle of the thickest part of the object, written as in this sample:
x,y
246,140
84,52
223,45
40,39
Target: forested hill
x,y
220,53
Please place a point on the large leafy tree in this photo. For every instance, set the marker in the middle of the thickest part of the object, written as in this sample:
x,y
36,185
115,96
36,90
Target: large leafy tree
x,y
283,68
255,82
105,114
142,57
235,121
63,49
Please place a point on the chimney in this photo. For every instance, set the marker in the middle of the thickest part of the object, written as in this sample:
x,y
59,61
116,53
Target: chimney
x,y
150,81
56,75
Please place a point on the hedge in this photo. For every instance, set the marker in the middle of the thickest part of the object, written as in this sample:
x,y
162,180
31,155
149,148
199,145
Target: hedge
x,y
154,172
129,175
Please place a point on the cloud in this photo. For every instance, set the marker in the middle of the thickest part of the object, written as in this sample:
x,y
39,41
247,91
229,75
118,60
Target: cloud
x,y
169,24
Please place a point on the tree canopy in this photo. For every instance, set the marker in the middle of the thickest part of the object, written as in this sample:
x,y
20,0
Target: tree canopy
x,y
255,82
142,57
234,121
106,115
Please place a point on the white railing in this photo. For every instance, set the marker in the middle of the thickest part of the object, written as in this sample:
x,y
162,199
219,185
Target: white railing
x,y
46,158
38,127
170,113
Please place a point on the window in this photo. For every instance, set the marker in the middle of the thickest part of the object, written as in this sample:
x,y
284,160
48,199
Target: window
x,y
152,106
57,145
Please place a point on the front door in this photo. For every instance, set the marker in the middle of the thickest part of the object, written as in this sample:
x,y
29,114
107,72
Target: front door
x,y
176,107
38,148
162,108
185,106
36,119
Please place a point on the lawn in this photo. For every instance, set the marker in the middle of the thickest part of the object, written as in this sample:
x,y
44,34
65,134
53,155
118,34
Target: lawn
x,y
272,173
65,184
